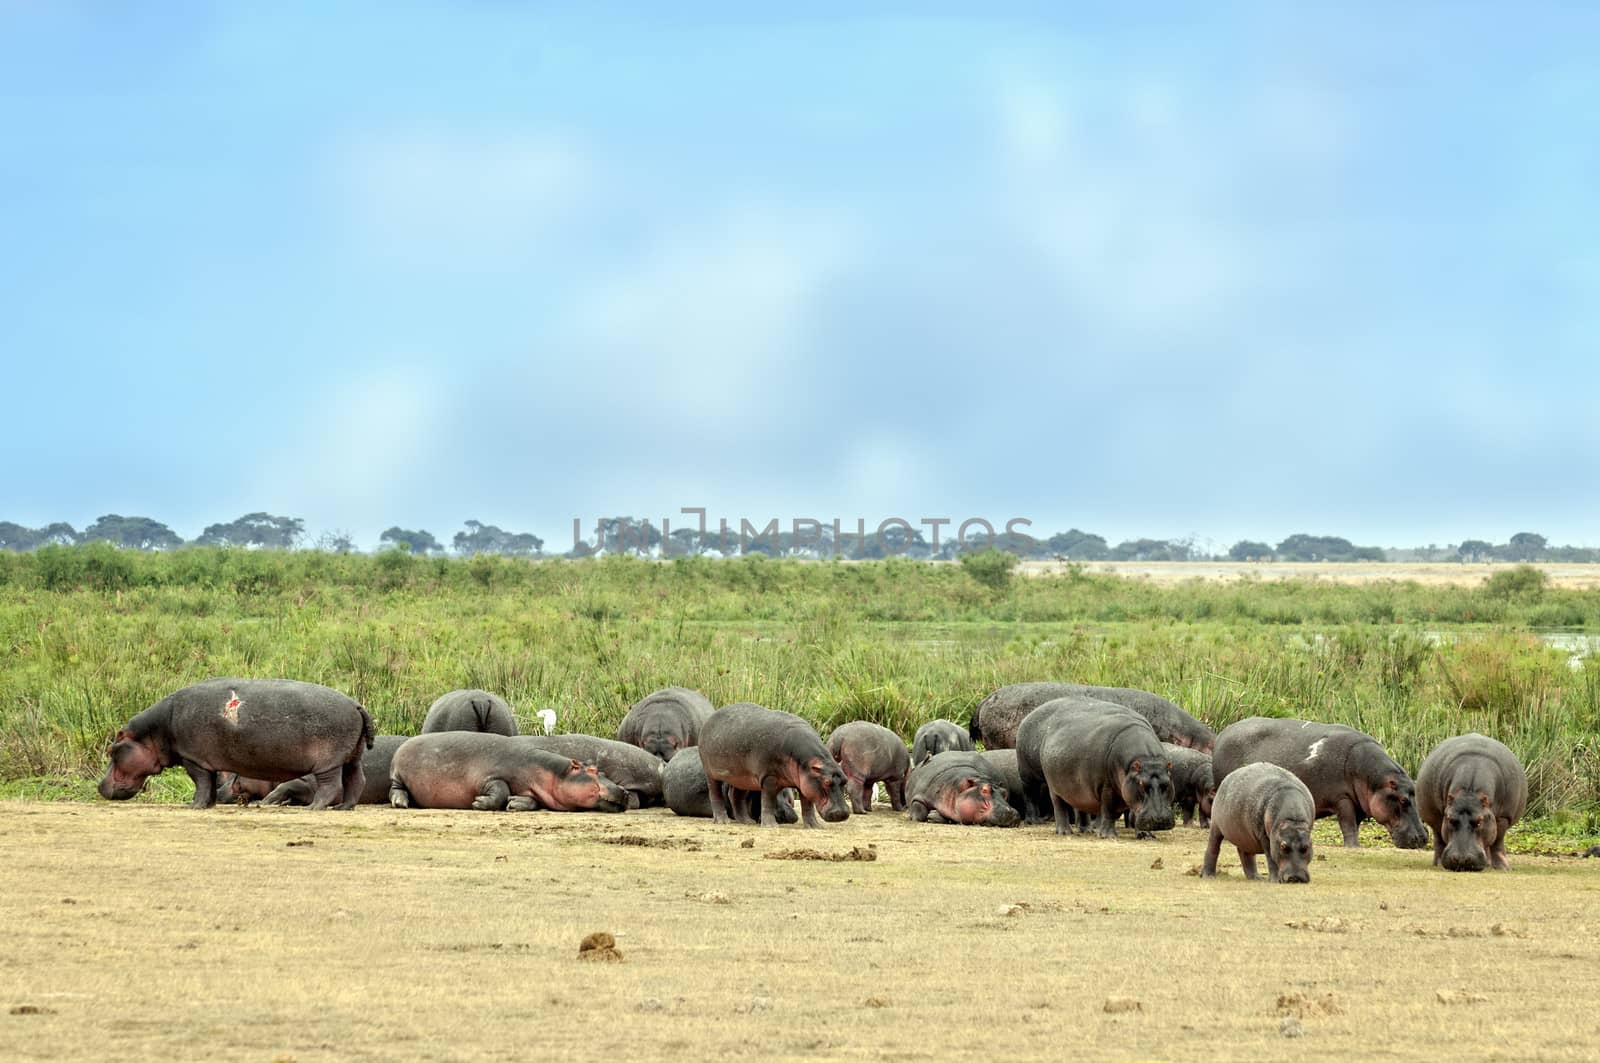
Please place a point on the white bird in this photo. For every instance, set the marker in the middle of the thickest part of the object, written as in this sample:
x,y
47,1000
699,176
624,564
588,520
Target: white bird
x,y
548,718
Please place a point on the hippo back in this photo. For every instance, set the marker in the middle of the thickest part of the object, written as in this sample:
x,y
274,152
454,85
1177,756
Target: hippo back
x,y
470,710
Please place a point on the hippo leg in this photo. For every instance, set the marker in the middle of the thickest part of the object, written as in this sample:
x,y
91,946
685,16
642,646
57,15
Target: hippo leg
x,y
1349,823
522,804
769,803
719,803
859,797
808,814
1064,814
1272,866
1438,847
743,805
1497,851
919,810
294,792
866,796
205,785
1208,869
1248,862
1108,815
493,796
354,780
1188,812
897,794
399,796
327,788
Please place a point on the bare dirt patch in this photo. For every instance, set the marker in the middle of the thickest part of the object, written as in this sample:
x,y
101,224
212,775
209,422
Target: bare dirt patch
x,y
427,935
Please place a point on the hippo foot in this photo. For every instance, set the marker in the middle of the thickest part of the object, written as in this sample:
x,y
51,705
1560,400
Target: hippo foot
x,y
1143,835
522,804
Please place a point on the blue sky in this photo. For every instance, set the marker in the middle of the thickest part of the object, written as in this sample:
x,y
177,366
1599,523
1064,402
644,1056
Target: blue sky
x,y
1235,272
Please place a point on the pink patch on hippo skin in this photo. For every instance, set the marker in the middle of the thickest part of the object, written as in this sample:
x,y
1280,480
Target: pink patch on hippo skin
x,y
230,711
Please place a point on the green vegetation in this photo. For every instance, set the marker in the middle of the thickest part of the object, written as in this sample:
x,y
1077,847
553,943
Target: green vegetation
x,y
91,634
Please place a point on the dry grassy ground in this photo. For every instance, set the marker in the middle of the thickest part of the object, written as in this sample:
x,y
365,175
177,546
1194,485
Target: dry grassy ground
x,y
1572,577
150,931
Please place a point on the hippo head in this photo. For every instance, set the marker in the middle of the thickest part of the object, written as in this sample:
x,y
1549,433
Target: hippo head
x,y
661,742
977,802
1205,790
1393,803
1290,849
581,788
1468,828
229,791
133,760
822,783
1147,789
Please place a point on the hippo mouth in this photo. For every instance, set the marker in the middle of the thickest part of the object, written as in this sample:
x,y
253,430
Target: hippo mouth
x,y
113,791
608,804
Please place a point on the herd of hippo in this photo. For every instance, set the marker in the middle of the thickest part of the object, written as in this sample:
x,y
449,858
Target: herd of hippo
x,y
1082,757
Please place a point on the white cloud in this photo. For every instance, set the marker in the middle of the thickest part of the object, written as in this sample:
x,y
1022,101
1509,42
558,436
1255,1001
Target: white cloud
x,y
430,194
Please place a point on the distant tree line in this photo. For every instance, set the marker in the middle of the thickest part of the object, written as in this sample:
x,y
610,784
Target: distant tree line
x,y
642,538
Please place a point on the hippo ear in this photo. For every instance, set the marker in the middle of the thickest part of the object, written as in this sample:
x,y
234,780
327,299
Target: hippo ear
x,y
1483,797
968,783
1169,767
591,769
1392,784
1137,766
576,765
818,766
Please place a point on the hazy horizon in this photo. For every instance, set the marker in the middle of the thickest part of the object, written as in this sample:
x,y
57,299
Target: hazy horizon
x,y
1245,272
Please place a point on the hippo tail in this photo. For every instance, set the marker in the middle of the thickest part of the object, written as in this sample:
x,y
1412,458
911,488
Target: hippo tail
x,y
369,732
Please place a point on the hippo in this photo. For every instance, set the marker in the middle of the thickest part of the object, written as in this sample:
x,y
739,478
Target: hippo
x,y
869,754
630,767
1348,773
959,786
752,747
1099,758
1003,762
495,773
1194,786
271,729
470,710
1471,790
666,721
998,716
1262,808
936,736
683,784
374,766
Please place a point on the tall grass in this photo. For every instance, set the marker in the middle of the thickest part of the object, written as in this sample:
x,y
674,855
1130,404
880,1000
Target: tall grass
x,y
88,637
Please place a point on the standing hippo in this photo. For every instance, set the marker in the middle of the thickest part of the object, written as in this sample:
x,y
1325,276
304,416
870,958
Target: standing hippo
x,y
666,721
869,754
1471,790
301,791
1348,773
683,787
495,773
628,766
1262,808
937,736
271,729
1097,759
1194,786
752,747
998,716
959,786
470,710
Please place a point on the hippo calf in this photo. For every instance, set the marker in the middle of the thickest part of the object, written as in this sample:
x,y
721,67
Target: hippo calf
x,y
1262,808
751,747
470,710
1194,785
1349,774
999,716
374,766
270,729
869,754
939,736
666,721
683,787
630,767
494,773
1471,790
959,786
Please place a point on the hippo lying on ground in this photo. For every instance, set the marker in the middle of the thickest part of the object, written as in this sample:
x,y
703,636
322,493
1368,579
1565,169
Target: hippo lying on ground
x,y
751,747
1471,790
959,786
869,754
1262,808
998,716
1097,759
630,767
271,729
938,736
493,773
683,785
666,721
1348,773
470,710
374,766
1004,764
